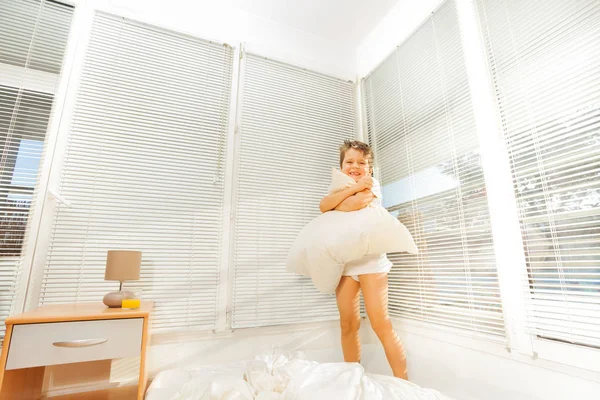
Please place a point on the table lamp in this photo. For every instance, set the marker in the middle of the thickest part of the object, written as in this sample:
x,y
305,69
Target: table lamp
x,y
121,265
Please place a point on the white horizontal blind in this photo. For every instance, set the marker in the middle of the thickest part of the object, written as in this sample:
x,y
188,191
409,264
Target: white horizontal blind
x,y
33,38
34,33
144,171
545,63
292,124
420,121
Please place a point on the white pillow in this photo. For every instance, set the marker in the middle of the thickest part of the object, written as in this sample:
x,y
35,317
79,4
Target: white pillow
x,y
335,238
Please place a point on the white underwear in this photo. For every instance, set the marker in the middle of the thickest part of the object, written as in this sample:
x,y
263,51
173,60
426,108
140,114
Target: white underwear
x,y
371,264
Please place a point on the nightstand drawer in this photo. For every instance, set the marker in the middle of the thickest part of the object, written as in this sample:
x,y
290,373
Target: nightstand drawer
x,y
34,345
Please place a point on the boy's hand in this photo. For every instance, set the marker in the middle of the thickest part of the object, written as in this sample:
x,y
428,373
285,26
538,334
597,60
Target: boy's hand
x,y
334,200
356,202
363,198
364,183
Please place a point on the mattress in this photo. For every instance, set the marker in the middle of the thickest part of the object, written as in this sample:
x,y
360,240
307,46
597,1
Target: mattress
x,y
281,376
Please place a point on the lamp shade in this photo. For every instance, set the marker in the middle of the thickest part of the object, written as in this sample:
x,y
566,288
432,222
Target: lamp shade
x,y
123,265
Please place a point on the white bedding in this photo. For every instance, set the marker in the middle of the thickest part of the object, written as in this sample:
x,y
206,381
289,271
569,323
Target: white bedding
x,y
280,376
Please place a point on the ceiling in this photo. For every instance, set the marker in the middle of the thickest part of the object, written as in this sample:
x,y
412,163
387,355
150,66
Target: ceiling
x,y
347,21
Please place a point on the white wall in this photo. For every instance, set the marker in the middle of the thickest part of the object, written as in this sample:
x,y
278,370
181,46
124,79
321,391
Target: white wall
x,y
402,20
318,342
220,22
470,369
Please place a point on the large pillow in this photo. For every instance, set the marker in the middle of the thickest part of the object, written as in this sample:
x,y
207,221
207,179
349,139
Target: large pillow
x,y
335,238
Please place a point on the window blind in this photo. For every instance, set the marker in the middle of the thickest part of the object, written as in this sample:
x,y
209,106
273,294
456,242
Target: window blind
x,y
33,38
420,122
545,65
144,170
292,122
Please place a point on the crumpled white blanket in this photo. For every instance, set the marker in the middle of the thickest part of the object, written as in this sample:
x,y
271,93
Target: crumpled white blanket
x,y
280,376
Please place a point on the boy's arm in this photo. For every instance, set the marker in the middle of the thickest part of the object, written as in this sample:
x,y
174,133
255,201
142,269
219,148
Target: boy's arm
x,y
356,202
331,201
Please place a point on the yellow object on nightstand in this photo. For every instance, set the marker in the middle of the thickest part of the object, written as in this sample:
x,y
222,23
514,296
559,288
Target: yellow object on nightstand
x,y
130,303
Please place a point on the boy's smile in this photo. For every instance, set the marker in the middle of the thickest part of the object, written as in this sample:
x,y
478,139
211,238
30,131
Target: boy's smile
x,y
355,164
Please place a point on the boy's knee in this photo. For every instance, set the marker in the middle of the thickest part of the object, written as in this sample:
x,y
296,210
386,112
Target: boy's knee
x,y
349,325
382,327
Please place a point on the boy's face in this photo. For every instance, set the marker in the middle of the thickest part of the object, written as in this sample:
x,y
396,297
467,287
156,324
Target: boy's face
x,y
355,165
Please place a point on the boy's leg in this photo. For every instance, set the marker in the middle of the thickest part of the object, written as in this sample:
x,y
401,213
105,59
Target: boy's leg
x,y
375,294
347,295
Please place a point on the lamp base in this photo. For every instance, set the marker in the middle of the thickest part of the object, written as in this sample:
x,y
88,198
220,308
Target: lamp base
x,y
114,299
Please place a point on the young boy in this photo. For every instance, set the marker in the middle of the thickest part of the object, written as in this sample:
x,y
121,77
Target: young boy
x,y
368,273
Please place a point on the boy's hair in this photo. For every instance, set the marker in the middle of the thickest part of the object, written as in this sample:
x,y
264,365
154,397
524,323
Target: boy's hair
x,y
360,146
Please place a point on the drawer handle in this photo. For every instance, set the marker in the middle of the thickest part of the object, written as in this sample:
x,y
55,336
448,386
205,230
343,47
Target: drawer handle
x,y
80,342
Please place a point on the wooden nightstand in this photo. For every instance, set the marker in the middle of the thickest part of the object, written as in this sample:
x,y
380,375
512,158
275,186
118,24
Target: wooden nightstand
x,y
71,333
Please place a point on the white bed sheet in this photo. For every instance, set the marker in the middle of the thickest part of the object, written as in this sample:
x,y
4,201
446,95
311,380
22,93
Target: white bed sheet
x,y
167,383
281,376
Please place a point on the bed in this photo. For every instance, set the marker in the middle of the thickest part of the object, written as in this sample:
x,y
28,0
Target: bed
x,y
282,376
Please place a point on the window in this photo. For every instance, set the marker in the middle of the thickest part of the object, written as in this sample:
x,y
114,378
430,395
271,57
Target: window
x,y
420,121
545,76
33,38
23,129
144,170
292,123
